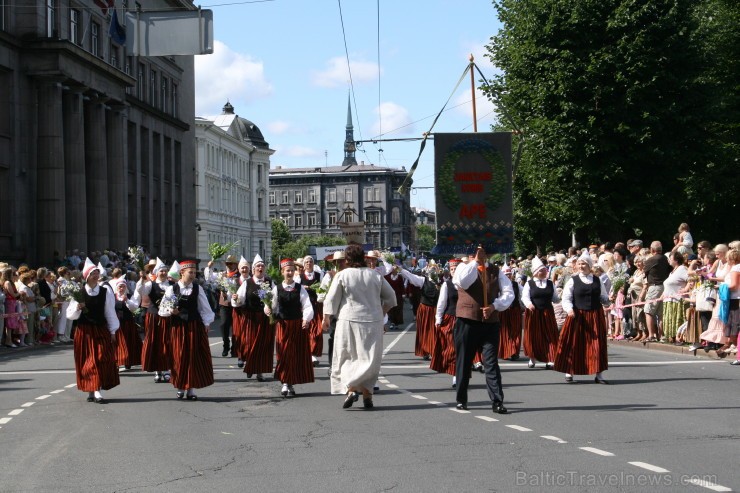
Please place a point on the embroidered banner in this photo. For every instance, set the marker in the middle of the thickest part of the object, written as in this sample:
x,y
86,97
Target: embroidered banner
x,y
473,193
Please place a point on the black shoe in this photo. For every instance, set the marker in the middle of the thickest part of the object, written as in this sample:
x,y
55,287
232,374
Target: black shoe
x,y
316,363
376,388
426,357
99,400
291,391
192,397
601,381
514,357
225,352
240,364
454,386
530,365
367,402
481,369
249,375
736,362
180,394
461,406
260,378
90,398
351,399
498,408
233,354
549,366
569,379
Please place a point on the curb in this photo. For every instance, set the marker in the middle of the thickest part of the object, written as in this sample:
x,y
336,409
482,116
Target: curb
x,y
670,348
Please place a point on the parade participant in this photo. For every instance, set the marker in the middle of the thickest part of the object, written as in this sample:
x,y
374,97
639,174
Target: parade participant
x,y
239,315
339,264
63,329
155,353
309,277
424,343
482,293
443,356
128,342
358,298
95,336
224,302
540,325
511,323
582,343
293,312
258,337
395,315
190,316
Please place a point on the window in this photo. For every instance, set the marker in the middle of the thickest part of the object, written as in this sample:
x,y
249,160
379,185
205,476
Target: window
x,y
348,216
4,17
312,196
284,197
376,193
298,197
259,173
396,216
113,52
74,26
331,195
332,218
396,239
141,85
372,217
174,100
272,197
260,207
153,87
95,39
372,194
50,18
285,218
312,219
348,195
164,96
298,218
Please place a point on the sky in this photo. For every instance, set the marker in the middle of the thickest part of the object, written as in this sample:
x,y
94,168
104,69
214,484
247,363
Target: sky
x,y
282,64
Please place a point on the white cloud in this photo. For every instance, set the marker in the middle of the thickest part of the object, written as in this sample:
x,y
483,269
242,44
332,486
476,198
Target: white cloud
x,y
299,151
395,119
336,74
484,108
227,75
279,127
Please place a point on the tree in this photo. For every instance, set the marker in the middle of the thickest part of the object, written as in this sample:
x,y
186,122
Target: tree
x,y
425,237
280,235
299,248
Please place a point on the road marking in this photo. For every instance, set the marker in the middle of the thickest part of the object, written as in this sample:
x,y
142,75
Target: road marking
x,y
215,344
28,404
461,411
487,418
56,391
42,397
391,386
398,338
15,412
554,439
70,386
649,467
38,372
517,427
437,403
597,451
416,396
5,420
708,485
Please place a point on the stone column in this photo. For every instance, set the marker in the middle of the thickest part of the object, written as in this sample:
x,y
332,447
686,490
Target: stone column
x,y
96,166
50,204
74,170
116,129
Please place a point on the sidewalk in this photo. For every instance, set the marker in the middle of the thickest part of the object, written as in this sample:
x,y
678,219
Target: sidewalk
x,y
670,348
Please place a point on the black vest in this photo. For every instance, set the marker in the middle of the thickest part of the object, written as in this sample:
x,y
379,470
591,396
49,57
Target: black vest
x,y
252,301
155,296
586,296
311,293
95,313
289,303
122,311
429,293
187,305
541,297
451,308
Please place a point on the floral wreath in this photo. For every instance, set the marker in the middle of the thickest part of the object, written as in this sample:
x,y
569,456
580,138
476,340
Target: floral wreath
x,y
446,182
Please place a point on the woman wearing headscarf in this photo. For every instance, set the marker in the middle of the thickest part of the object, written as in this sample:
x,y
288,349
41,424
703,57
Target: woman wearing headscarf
x,y
312,275
582,342
239,314
155,351
358,297
128,342
95,336
540,326
443,356
424,343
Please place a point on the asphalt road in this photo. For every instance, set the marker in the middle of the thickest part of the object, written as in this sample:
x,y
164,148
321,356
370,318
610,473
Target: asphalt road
x,y
667,423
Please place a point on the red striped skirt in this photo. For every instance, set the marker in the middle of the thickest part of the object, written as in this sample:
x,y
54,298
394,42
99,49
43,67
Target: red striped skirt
x,y
317,334
424,330
95,358
128,344
259,344
155,352
582,344
239,319
541,334
443,356
293,352
510,338
192,367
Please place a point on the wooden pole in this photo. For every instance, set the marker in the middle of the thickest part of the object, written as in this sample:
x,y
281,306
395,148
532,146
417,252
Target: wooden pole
x,y
472,92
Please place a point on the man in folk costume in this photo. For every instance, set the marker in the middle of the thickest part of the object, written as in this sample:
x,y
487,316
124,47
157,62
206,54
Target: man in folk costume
x,y
186,305
309,277
582,342
257,335
482,293
424,313
443,357
224,302
293,311
540,325
155,354
95,336
511,323
239,315
128,342
339,261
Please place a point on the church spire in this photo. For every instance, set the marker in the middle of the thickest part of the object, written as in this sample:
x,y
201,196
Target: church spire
x,y
349,140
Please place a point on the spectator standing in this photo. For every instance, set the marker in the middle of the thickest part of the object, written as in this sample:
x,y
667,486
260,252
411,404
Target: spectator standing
x,y
657,269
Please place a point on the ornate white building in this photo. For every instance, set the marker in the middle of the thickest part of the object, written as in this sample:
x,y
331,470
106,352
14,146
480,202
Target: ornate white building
x,y
232,179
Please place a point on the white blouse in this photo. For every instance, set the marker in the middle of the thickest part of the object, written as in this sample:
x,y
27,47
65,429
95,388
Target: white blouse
x,y
305,300
540,283
74,312
676,281
441,304
241,293
568,292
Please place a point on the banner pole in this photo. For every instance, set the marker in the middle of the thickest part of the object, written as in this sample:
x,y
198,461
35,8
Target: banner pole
x,y
472,92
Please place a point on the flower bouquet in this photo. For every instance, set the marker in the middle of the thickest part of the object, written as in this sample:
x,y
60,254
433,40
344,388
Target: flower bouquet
x,y
265,295
72,291
226,284
619,279
169,302
137,257
218,250
389,257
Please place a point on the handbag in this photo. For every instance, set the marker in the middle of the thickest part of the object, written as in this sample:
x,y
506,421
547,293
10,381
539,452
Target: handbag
x,y
706,297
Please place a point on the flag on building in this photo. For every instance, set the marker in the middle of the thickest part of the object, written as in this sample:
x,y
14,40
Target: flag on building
x,y
116,31
105,5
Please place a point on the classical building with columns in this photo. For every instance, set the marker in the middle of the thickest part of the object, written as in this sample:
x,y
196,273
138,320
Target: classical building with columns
x,y
96,147
232,179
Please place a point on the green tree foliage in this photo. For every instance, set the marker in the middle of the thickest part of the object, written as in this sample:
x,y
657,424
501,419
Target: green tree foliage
x,y
425,237
280,235
299,248
615,100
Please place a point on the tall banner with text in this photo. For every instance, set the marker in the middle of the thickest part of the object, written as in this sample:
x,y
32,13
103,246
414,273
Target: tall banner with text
x,y
473,193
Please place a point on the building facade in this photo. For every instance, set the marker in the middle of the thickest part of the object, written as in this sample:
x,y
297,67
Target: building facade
x,y
425,216
96,147
232,179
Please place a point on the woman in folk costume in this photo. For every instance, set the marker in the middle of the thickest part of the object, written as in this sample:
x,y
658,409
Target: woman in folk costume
x,y
511,322
358,299
293,311
309,277
95,336
155,353
257,335
425,313
540,325
443,356
395,315
582,343
186,305
128,342
239,314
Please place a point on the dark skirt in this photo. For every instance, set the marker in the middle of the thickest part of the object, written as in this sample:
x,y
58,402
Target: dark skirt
x,y
510,339
541,334
443,354
424,330
259,344
317,334
128,344
192,367
395,314
732,327
155,352
582,344
239,319
95,358
293,352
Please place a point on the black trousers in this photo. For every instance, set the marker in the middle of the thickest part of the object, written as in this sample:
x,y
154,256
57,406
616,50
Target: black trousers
x,y
226,320
470,336
330,342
